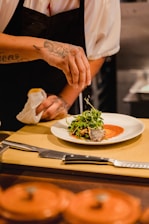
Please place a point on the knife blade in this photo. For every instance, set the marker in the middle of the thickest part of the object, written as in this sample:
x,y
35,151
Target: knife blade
x,y
42,152
86,159
3,148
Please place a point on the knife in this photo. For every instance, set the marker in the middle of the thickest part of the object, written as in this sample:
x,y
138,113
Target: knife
x,y
86,159
69,158
42,152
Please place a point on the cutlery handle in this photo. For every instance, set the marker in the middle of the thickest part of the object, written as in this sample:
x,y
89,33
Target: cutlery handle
x,y
84,159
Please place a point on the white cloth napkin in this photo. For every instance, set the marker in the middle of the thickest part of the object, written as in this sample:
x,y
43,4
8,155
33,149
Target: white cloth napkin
x,y
28,114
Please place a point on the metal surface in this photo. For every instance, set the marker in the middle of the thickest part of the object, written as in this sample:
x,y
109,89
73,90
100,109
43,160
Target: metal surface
x,y
134,42
84,159
3,148
43,152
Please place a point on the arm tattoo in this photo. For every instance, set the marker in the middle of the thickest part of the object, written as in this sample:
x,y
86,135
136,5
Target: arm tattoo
x,y
11,58
54,48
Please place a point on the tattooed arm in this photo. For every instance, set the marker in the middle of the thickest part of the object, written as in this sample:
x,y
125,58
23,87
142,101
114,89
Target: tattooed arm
x,y
68,58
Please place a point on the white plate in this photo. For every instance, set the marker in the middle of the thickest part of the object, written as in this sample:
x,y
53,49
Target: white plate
x,y
131,125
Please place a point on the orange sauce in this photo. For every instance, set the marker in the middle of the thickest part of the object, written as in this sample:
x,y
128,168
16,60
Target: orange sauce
x,y
112,130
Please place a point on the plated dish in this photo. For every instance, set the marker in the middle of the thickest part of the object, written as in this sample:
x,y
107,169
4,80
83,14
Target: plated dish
x,y
132,127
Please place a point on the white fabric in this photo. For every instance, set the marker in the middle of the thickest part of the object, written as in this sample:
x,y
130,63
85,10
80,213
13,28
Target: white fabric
x,y
28,114
7,8
102,21
57,6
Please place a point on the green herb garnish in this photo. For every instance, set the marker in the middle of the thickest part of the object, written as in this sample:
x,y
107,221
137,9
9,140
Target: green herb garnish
x,y
88,119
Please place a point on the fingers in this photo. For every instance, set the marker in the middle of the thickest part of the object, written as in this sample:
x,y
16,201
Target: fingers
x,y
84,69
70,59
78,72
53,108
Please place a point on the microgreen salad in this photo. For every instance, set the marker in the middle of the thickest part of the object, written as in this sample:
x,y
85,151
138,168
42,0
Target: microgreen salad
x,y
88,125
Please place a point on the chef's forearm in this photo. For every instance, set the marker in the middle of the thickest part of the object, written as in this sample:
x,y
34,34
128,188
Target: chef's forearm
x,y
70,94
95,65
15,49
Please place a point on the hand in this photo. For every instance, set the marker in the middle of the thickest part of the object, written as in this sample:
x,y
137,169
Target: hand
x,y
71,60
53,107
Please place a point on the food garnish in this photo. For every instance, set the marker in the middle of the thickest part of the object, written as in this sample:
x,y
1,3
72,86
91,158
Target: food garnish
x,y
88,125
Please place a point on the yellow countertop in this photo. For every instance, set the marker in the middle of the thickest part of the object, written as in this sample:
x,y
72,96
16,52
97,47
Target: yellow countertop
x,y
136,149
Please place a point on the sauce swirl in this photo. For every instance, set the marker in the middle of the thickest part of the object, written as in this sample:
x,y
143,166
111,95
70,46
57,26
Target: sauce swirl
x,y
112,130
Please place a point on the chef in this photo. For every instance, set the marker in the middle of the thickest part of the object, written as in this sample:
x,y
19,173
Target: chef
x,y
92,25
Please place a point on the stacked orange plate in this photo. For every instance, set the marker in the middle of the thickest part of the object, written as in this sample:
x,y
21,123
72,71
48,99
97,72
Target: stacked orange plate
x,y
34,202
103,206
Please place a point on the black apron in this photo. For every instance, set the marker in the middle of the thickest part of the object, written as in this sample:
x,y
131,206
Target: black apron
x,y
18,78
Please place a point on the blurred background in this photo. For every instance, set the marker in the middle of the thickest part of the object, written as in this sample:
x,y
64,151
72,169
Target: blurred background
x,y
129,69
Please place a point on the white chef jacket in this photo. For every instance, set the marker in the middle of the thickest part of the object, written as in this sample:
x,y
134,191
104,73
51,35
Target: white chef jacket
x,y
102,21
